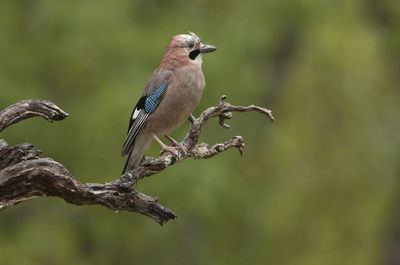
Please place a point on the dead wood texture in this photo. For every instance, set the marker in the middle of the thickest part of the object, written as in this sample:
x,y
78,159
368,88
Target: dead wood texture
x,y
24,175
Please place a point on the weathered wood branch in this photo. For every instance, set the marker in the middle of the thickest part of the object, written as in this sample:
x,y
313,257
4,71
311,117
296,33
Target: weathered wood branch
x,y
30,108
24,176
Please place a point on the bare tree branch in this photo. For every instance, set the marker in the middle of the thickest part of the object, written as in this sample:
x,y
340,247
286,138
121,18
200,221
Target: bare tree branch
x,y
203,150
30,108
43,176
24,176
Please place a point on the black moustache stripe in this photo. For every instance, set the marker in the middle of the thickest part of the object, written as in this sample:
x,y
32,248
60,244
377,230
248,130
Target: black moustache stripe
x,y
193,54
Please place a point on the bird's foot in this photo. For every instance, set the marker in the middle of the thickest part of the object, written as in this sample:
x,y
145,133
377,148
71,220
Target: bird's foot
x,y
165,148
170,149
179,145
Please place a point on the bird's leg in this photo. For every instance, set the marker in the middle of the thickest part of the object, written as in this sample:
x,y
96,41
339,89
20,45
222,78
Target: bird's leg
x,y
175,143
164,146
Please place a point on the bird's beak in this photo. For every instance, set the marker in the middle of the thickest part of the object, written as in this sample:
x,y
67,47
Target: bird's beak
x,y
204,48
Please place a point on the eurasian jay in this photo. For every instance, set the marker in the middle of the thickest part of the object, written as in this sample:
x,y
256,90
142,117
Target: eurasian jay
x,y
170,96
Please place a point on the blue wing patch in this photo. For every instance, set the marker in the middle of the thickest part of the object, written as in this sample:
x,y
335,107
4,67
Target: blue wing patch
x,y
154,98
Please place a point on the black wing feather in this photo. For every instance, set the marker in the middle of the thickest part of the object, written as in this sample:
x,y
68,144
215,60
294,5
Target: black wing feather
x,y
135,125
139,106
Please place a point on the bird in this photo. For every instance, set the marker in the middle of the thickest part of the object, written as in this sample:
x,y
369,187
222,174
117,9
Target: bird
x,y
170,96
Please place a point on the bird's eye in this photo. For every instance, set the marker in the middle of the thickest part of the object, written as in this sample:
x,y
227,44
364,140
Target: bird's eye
x,y
190,45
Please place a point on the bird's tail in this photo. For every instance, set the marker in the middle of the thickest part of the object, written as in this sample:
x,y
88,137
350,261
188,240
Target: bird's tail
x,y
139,148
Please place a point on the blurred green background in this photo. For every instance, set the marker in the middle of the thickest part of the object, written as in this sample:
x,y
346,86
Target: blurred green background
x,y
318,186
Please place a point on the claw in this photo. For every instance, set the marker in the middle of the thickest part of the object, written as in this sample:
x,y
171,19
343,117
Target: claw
x,y
169,149
179,145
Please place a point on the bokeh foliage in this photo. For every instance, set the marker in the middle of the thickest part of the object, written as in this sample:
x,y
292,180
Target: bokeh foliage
x,y
319,186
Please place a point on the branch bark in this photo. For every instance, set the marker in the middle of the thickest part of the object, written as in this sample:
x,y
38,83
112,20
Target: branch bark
x,y
30,108
24,176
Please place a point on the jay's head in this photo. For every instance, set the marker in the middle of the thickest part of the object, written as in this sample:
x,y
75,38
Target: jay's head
x,y
188,48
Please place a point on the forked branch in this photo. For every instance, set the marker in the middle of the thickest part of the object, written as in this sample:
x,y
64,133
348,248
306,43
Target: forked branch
x,y
24,176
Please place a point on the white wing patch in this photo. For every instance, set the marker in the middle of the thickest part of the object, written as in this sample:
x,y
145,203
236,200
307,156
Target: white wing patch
x,y
138,123
135,114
